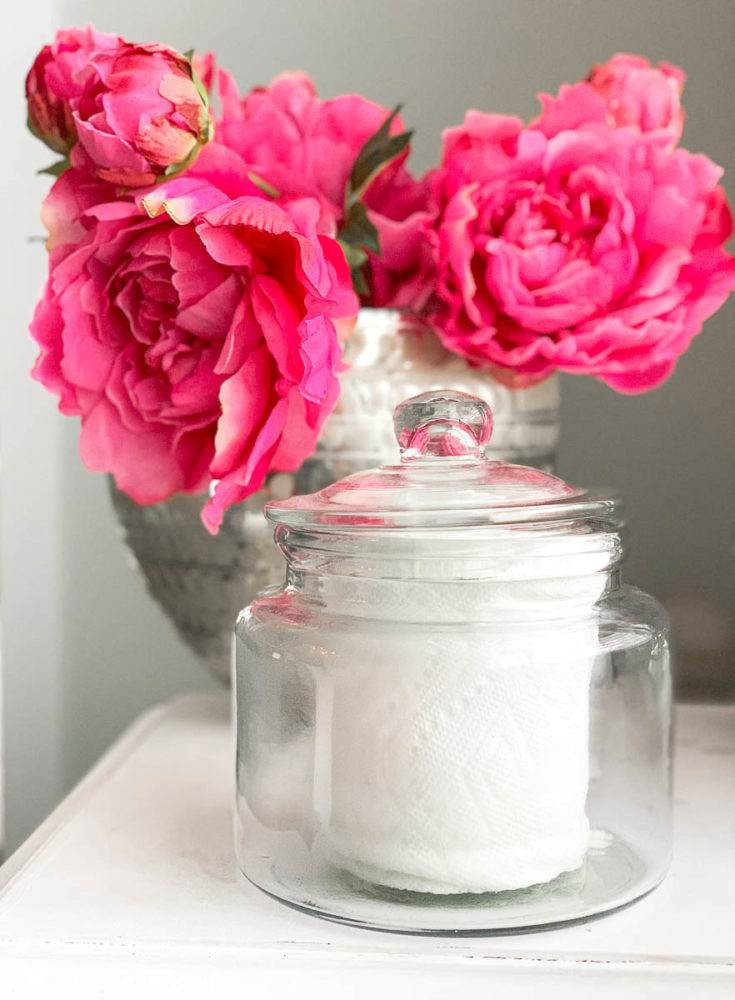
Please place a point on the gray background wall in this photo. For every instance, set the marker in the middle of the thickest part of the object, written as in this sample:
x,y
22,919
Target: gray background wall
x,y
84,648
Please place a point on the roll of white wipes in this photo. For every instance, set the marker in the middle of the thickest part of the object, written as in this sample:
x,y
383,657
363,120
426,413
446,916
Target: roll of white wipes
x,y
458,758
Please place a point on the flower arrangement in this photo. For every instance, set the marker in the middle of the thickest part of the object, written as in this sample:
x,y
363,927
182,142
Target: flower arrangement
x,y
585,242
208,251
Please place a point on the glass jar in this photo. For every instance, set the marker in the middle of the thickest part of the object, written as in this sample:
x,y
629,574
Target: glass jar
x,y
453,716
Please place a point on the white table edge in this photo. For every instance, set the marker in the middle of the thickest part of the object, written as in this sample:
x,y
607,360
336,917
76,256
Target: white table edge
x,y
113,758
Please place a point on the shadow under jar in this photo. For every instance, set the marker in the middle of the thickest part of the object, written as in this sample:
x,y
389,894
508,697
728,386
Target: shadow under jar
x,y
453,717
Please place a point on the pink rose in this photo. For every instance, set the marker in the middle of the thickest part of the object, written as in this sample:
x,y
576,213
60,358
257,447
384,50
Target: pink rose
x,y
197,345
596,250
626,91
53,82
301,145
140,115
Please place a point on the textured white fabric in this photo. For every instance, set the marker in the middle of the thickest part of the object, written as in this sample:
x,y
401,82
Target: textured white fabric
x,y
458,753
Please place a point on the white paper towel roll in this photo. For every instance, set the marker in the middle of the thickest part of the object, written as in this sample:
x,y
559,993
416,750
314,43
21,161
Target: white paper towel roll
x,y
455,758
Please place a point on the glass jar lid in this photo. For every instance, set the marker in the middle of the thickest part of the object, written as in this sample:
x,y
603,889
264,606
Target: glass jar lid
x,y
443,479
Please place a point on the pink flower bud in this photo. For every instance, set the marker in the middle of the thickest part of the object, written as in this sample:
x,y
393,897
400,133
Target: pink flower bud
x,y
141,115
54,83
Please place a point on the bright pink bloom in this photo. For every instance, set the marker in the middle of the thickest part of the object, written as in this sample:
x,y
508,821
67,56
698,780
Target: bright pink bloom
x,y
53,83
594,250
301,145
402,275
640,95
140,116
225,102
626,91
197,345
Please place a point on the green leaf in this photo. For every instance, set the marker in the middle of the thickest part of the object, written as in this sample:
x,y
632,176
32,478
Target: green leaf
x,y
354,256
356,237
377,152
201,89
56,169
264,185
359,283
358,230
357,234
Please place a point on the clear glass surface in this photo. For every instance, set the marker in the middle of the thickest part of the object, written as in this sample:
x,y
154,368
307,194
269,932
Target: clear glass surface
x,y
453,717
389,772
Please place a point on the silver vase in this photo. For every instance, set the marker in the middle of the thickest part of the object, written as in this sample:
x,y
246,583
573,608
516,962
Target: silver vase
x,y
202,582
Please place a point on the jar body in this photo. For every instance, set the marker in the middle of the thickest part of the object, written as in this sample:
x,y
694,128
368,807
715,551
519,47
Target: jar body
x,y
463,756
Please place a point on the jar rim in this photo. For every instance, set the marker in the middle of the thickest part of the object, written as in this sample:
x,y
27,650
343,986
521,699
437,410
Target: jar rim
x,y
340,518
521,551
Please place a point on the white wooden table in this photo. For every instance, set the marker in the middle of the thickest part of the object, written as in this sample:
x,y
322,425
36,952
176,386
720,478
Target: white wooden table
x,y
130,890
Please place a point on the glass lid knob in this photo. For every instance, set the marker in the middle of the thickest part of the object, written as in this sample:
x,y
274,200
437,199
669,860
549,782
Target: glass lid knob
x,y
442,423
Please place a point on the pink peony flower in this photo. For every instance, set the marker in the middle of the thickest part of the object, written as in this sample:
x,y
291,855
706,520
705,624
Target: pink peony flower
x,y
639,95
303,146
625,91
53,82
402,274
140,116
592,250
197,344
225,102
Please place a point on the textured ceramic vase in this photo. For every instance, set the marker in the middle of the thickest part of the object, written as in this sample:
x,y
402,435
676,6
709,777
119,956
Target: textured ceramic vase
x,y
201,582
